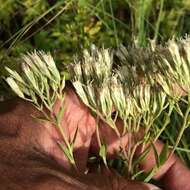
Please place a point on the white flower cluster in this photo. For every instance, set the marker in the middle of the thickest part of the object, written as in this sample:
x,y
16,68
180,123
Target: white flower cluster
x,y
40,78
139,86
91,79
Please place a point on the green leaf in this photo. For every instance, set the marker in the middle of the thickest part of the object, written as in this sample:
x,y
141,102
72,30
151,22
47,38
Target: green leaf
x,y
159,161
60,114
166,118
177,108
67,153
141,157
150,174
156,156
102,153
82,3
164,154
75,136
136,175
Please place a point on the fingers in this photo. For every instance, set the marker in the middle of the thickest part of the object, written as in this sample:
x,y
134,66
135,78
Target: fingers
x,y
177,177
108,136
78,125
150,161
174,174
76,112
109,180
152,187
135,185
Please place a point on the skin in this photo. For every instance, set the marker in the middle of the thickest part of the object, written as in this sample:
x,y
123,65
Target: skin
x,y
31,159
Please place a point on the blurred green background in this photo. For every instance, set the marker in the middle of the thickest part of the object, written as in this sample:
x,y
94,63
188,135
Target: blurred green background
x,y
65,27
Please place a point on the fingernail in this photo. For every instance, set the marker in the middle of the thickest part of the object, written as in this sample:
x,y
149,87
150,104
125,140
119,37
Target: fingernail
x,y
153,187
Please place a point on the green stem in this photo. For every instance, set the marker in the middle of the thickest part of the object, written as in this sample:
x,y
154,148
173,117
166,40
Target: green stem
x,y
158,21
69,147
184,126
130,165
165,123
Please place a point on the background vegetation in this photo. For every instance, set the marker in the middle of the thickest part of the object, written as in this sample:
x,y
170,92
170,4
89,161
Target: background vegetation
x,y
65,27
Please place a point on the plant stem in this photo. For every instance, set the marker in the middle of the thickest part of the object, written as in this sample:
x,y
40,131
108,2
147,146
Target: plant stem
x,y
167,121
158,21
184,126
